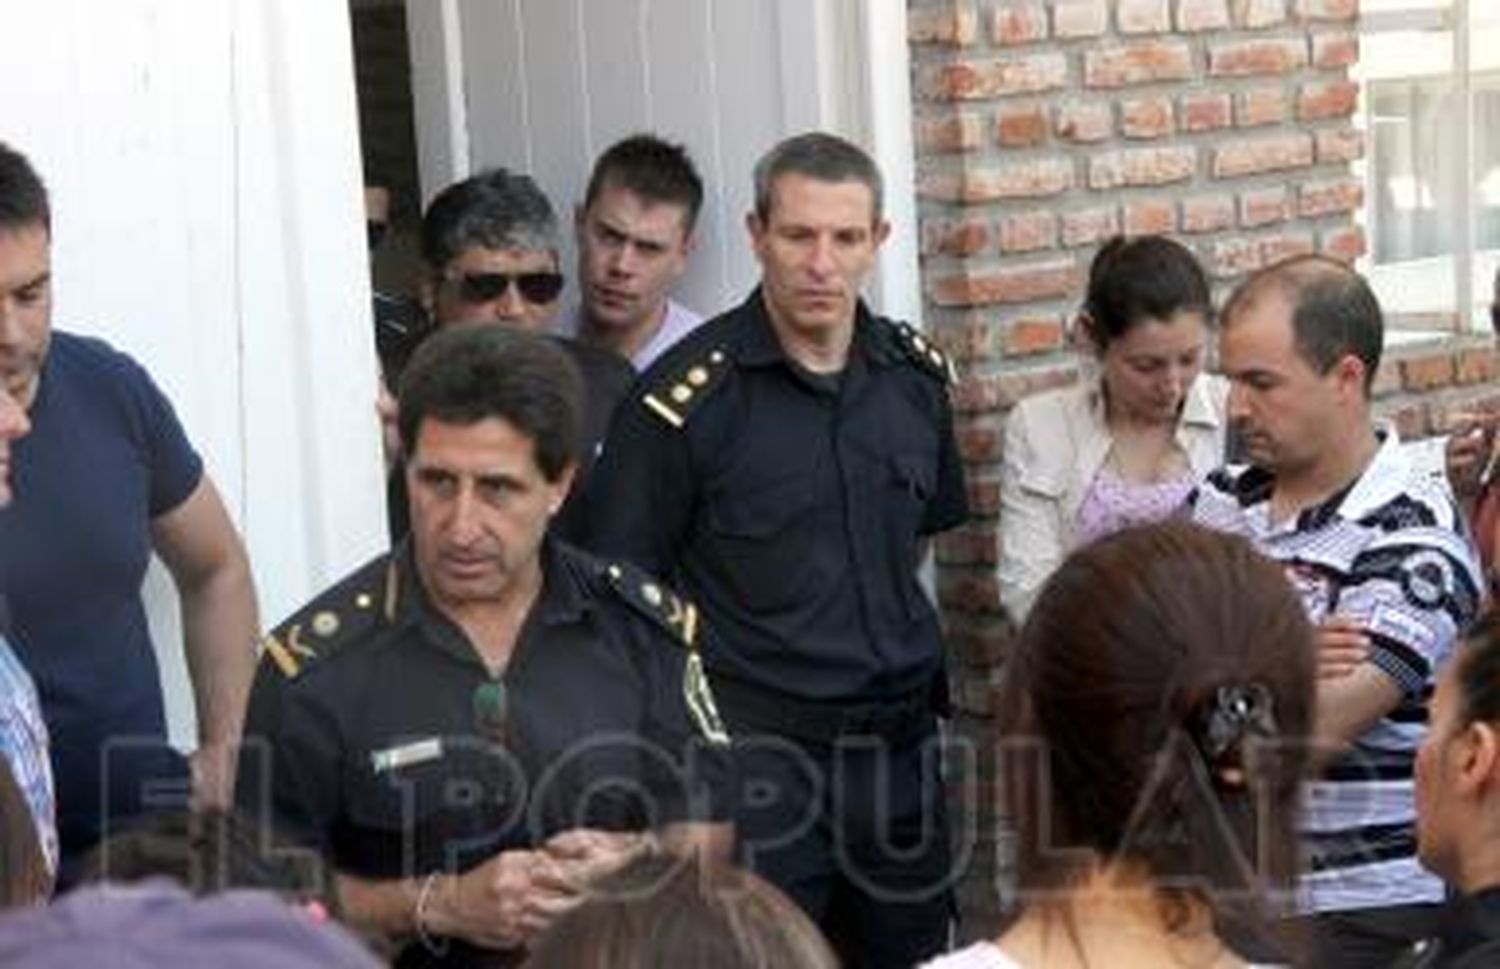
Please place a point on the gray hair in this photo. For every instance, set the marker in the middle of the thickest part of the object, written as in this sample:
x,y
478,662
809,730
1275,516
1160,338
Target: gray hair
x,y
820,156
497,209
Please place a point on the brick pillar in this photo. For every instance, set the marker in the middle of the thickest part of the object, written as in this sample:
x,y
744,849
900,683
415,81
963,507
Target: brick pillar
x,y
1042,128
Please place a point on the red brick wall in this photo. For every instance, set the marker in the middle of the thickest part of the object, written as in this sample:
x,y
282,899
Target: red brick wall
x,y
1045,126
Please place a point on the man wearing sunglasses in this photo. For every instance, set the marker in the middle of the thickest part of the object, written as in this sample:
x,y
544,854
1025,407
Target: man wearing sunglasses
x,y
490,247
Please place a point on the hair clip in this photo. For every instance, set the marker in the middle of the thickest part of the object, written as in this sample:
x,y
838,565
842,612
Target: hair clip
x,y
1234,712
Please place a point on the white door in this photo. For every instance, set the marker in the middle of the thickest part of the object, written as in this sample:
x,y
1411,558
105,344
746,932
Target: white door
x,y
203,161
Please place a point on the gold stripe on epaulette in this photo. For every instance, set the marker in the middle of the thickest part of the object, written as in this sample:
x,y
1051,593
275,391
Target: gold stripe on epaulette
x,y
663,411
284,660
294,640
690,625
392,590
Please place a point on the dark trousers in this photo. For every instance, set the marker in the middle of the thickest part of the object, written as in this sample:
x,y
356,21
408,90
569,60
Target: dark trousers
x,y
1367,938
856,833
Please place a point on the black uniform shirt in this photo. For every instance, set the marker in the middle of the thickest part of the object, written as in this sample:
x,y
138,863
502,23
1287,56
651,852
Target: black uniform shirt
x,y
1469,937
389,752
789,506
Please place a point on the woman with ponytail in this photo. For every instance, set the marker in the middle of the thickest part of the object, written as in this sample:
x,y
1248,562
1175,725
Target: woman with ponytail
x,y
1151,724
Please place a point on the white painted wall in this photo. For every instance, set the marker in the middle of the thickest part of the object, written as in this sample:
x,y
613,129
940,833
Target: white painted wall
x,y
204,166
548,84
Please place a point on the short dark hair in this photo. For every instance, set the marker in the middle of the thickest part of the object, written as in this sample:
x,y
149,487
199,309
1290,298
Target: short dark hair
x,y
496,209
821,156
467,374
653,168
23,195
1334,312
1113,714
1144,278
207,852
669,911
1476,672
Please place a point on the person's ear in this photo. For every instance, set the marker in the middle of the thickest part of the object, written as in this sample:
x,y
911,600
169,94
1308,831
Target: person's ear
x,y
882,232
1086,334
1350,373
1478,755
561,487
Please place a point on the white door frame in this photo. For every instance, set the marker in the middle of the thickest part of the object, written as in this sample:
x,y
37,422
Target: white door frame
x,y
434,31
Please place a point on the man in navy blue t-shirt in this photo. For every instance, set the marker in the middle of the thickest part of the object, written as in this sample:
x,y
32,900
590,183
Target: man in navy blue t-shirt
x,y
106,477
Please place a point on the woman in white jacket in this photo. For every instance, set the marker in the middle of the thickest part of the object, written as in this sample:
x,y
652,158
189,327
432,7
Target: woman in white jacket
x,y
1127,443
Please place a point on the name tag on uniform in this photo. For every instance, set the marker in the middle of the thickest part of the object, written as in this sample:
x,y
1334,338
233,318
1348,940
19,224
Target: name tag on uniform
x,y
416,752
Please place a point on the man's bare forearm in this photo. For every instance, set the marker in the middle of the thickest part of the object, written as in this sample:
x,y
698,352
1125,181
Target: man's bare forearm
x,y
220,627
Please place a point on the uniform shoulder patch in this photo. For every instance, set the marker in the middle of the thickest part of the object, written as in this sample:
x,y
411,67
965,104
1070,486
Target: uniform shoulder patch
x,y
924,353
342,615
677,393
658,603
680,618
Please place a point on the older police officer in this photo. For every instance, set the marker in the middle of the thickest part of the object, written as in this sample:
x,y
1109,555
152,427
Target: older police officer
x,y
783,464
470,725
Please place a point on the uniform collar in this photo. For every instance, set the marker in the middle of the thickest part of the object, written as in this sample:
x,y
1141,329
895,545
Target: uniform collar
x,y
1471,921
561,600
756,344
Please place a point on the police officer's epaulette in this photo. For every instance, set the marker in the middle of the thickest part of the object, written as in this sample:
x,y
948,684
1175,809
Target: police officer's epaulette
x,y
342,615
676,394
680,618
661,605
924,353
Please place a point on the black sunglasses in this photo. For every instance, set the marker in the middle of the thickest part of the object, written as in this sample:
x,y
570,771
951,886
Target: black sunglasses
x,y
487,287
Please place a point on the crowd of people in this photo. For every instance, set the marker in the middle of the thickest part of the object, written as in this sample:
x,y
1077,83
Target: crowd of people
x,y
648,675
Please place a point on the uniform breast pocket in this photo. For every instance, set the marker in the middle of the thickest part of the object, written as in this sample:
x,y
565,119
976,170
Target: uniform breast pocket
x,y
452,786
911,479
762,539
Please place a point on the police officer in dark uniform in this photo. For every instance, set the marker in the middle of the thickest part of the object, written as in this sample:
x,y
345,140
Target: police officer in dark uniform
x,y
473,726
490,248
783,464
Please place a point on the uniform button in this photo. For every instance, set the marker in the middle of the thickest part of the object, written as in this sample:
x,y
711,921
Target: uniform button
x,y
325,624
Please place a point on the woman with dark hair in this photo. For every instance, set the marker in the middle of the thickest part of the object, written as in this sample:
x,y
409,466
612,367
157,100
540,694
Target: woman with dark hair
x,y
1151,727
1458,801
1126,444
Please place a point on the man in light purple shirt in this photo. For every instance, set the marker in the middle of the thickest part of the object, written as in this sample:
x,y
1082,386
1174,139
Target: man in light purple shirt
x,y
635,232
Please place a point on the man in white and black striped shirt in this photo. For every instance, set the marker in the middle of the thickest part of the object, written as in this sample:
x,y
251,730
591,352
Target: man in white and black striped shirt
x,y
1378,552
